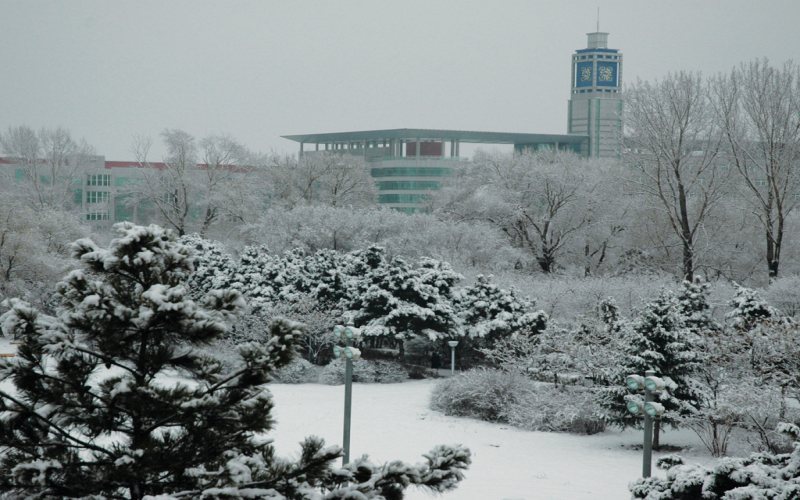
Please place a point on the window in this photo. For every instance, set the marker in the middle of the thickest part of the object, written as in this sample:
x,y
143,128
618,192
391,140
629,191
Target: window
x,y
99,180
97,196
387,185
402,198
411,171
97,216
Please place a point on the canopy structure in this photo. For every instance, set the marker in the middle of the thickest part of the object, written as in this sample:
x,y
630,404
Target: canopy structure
x,y
431,142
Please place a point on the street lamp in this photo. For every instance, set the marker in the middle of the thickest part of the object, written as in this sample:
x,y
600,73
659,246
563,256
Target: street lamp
x,y
452,344
650,385
346,335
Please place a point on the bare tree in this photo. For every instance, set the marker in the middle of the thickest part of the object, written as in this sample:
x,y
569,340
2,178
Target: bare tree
x,y
225,164
673,141
538,200
323,178
51,160
194,184
758,106
167,185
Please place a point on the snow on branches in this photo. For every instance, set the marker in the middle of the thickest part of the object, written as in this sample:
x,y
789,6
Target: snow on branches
x,y
111,397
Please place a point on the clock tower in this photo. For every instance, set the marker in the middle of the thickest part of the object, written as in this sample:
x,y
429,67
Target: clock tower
x,y
595,105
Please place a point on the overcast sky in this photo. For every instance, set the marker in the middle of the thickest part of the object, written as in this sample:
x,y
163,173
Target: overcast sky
x,y
256,70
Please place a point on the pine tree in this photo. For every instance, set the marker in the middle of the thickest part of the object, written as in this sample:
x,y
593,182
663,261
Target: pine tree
x,y
401,302
489,312
213,265
693,307
749,309
657,340
608,314
111,398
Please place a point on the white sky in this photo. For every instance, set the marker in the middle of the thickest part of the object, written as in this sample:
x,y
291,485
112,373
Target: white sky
x,y
260,69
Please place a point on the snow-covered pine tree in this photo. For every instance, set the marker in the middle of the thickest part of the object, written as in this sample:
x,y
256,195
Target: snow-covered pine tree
x,y
111,399
255,275
213,265
402,302
693,307
656,340
749,309
488,313
608,314
761,475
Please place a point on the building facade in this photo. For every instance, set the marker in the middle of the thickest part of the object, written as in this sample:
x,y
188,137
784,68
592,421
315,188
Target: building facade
x,y
595,104
102,192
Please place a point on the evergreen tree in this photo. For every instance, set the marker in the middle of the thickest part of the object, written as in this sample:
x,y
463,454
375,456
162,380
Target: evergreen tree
x,y
213,266
749,309
657,340
608,313
693,307
402,302
110,398
488,313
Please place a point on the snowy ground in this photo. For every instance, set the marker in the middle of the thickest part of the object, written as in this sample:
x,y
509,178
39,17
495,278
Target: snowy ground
x,y
392,421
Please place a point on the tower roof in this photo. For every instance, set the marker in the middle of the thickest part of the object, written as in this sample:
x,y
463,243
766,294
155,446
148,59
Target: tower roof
x,y
597,40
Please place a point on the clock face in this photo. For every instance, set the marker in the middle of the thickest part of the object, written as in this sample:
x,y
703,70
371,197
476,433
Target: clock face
x,y
583,74
607,74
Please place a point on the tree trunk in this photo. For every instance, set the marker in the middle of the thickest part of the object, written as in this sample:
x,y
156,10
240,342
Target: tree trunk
x,y
686,230
688,262
656,434
587,261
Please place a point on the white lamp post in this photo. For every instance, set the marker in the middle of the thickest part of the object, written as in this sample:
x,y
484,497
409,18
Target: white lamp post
x,y
347,334
452,344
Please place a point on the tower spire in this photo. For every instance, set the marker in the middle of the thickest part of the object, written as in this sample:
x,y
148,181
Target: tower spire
x,y
598,20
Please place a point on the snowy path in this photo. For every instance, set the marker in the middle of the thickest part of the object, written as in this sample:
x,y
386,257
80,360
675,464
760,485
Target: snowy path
x,y
392,421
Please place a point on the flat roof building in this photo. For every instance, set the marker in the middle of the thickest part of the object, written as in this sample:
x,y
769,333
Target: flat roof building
x,y
409,164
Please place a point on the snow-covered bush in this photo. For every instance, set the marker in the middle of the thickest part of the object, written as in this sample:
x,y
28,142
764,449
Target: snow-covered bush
x,y
299,371
784,294
365,371
556,409
511,397
759,476
481,393
558,354
111,398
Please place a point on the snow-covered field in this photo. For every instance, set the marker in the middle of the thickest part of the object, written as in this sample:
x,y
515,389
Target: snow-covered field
x,y
392,421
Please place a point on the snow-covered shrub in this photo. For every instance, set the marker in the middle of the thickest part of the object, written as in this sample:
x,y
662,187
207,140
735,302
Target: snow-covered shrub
x,y
558,354
784,294
556,409
481,393
389,372
364,371
299,371
759,476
